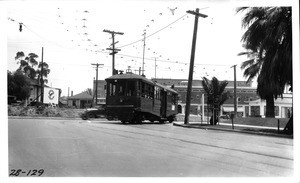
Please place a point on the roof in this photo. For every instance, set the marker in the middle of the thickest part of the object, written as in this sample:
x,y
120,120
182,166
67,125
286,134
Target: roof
x,y
129,76
167,88
197,82
83,95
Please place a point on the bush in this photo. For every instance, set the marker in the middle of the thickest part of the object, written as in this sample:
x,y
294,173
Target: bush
x,y
44,111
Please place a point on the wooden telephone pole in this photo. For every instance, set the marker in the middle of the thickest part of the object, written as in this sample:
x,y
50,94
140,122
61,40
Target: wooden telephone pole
x,y
113,49
234,91
189,89
42,79
143,69
96,93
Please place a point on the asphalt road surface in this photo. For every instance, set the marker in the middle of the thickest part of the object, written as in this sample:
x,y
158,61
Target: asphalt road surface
x,y
60,148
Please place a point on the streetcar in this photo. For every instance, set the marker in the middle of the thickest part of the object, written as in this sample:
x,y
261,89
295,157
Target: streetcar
x,y
133,98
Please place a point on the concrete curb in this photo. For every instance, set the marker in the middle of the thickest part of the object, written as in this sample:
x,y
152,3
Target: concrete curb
x,y
235,130
43,117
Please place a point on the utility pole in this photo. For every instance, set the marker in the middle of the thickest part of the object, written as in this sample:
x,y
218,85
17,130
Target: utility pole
x,y
234,92
96,93
144,50
113,49
189,89
42,79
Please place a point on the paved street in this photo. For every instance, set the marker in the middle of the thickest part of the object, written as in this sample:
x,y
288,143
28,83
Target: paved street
x,y
109,148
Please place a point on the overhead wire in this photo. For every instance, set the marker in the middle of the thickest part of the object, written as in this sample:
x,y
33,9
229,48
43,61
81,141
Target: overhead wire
x,y
153,32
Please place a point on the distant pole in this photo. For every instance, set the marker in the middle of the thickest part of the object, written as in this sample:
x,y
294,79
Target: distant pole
x,y
278,126
234,92
155,69
144,52
96,94
42,79
113,49
189,89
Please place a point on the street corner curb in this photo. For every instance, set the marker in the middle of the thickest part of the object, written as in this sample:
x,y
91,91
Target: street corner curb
x,y
237,131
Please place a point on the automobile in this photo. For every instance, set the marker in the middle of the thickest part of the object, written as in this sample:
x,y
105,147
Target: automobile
x,y
96,112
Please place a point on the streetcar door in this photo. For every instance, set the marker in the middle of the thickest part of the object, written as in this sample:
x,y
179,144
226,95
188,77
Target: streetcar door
x,y
163,100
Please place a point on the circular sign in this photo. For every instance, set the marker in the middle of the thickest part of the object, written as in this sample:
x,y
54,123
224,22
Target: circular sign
x,y
51,94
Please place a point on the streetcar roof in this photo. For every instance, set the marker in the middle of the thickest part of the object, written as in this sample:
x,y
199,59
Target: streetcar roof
x,y
165,87
129,76
139,77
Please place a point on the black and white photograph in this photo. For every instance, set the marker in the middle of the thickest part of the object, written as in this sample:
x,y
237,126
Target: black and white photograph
x,y
149,90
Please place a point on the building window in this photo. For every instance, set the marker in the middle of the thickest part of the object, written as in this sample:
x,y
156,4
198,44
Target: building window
x,y
255,110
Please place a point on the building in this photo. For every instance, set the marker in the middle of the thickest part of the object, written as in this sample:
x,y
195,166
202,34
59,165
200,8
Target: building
x,y
283,106
81,100
248,102
101,94
36,91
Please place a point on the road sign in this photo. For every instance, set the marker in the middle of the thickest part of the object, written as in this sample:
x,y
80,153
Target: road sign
x,y
51,95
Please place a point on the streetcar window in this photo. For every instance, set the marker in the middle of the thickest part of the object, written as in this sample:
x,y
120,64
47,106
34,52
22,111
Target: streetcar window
x,y
151,90
157,93
138,86
112,89
174,98
143,89
130,88
121,87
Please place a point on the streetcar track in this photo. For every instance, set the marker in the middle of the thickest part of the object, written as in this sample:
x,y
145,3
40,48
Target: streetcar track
x,y
221,163
198,143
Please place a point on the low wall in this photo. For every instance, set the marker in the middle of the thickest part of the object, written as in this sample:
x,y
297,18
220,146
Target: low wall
x,y
270,122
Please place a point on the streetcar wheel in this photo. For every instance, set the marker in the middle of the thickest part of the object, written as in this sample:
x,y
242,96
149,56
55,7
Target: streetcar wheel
x,y
161,121
139,120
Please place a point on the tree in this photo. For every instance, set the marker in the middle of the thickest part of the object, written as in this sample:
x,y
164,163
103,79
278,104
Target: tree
x,y
17,85
268,41
89,91
43,73
216,95
28,65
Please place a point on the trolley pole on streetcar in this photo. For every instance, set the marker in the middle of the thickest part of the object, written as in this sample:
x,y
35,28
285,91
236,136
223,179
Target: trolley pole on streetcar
x,y
113,49
189,89
155,67
96,90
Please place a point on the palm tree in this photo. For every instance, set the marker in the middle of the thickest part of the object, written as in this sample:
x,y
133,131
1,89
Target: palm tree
x,y
268,40
216,95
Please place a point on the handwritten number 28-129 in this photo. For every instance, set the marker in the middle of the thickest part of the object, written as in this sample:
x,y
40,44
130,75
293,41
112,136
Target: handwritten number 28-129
x,y
20,172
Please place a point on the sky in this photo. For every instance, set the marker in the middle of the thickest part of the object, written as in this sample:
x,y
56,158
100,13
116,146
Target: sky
x,y
71,34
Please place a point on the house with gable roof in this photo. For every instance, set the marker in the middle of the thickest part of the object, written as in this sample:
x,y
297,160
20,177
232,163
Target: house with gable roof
x,y
81,100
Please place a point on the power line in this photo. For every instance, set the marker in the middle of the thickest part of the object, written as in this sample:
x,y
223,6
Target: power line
x,y
153,32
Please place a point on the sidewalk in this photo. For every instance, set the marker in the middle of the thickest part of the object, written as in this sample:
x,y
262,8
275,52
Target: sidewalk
x,y
238,128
